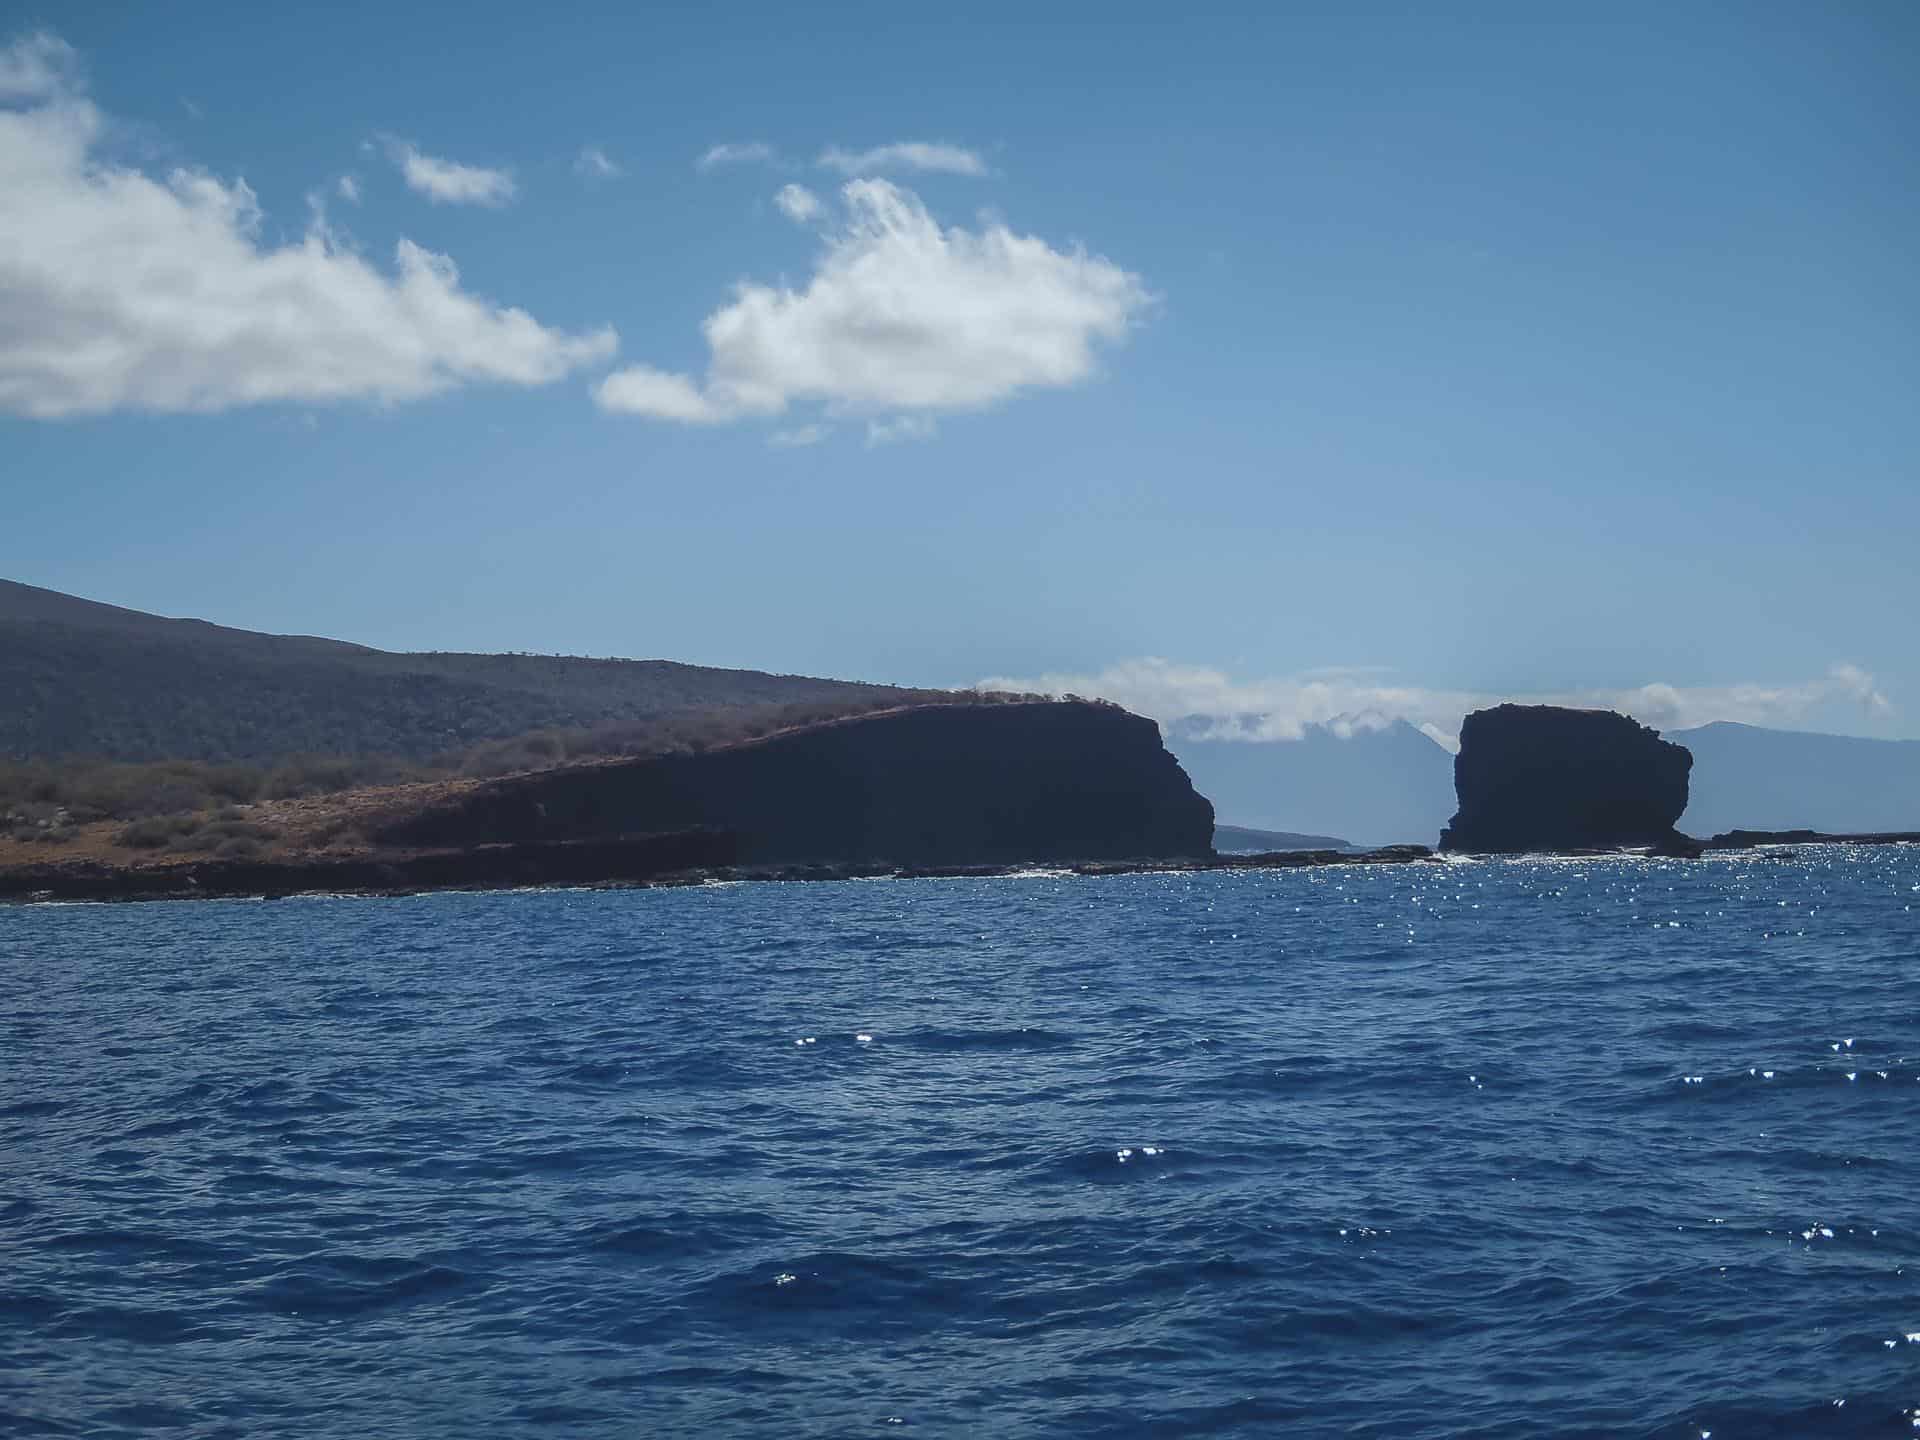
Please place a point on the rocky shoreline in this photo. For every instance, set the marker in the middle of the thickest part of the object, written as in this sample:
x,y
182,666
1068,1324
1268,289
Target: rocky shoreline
x,y
698,858
1749,839
688,858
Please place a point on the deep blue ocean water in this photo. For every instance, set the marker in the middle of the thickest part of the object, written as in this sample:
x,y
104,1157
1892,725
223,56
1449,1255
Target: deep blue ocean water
x,y
1533,1148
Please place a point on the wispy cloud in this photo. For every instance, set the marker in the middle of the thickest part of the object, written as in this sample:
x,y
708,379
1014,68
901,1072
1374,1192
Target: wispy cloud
x,y
900,315
1363,698
799,436
900,429
593,163
912,155
737,152
160,294
448,182
349,188
798,203
37,67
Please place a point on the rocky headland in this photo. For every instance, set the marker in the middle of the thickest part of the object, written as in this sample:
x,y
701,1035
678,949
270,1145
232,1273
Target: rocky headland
x,y
934,785
914,790
1545,778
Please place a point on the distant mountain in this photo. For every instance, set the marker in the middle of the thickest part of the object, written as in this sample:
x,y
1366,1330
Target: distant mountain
x,y
1239,840
1383,786
1748,777
81,678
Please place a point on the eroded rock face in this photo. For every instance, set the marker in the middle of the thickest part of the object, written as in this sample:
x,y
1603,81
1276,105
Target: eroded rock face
x,y
976,784
1539,777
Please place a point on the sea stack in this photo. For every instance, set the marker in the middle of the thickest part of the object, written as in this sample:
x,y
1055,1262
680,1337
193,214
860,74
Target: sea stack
x,y
1539,777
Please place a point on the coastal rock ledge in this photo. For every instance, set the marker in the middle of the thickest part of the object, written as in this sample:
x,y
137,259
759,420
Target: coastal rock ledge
x,y
1539,777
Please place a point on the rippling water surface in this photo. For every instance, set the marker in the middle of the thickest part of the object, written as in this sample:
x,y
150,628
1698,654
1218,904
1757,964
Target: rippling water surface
x,y
1604,1148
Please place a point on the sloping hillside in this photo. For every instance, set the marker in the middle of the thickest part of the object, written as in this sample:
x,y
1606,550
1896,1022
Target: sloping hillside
x,y
80,678
1748,777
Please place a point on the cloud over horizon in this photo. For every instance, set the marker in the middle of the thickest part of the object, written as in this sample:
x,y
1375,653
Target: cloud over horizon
x,y
900,315
122,291
1360,699
447,182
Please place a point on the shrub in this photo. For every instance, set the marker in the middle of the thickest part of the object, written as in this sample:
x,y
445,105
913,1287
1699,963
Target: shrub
x,y
240,847
34,834
215,834
236,782
154,832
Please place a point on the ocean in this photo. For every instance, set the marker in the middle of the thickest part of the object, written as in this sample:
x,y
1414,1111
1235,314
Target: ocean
x,y
1530,1148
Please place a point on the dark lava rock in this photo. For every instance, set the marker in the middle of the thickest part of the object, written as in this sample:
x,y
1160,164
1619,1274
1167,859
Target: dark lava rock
x,y
1538,777
1749,839
630,859
934,785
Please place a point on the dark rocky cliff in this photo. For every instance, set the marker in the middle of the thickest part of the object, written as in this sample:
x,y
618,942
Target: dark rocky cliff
x,y
1537,777
934,785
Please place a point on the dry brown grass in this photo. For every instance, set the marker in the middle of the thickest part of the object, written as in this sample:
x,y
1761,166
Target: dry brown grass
x,y
335,824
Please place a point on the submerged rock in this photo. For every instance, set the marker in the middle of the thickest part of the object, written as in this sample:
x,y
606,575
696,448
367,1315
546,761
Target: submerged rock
x,y
1539,777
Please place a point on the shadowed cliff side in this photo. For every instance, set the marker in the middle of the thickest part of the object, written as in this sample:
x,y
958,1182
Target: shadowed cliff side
x,y
933,785
1538,777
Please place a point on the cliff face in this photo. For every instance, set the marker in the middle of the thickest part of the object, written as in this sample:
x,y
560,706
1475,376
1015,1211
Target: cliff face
x,y
938,785
1537,777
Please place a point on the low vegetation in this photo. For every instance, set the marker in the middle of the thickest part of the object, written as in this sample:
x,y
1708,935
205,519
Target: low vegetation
x,y
165,690
196,807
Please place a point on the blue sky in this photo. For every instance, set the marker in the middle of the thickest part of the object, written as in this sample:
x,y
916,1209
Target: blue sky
x,y
1318,359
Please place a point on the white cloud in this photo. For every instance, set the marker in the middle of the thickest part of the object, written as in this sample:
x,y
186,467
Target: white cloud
x,y
1351,700
798,203
642,390
349,188
593,163
447,182
899,315
37,67
747,152
123,291
801,435
900,428
920,155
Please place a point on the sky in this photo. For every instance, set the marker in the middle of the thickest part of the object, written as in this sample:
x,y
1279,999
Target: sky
x,y
1315,360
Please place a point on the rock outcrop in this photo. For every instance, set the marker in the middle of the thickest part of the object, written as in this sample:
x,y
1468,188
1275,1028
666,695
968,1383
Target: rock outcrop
x,y
1538,777
935,785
